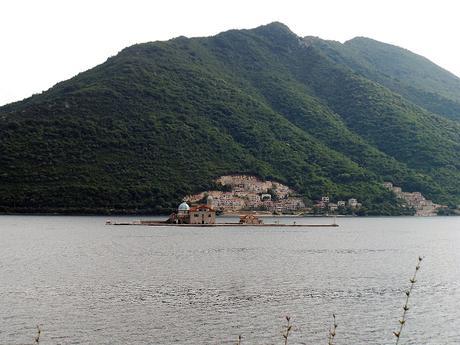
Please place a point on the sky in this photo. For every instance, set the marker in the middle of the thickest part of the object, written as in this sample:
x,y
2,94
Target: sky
x,y
46,41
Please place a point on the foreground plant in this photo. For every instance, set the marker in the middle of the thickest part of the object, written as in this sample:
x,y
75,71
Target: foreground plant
x,y
333,327
332,331
408,293
288,330
239,340
37,337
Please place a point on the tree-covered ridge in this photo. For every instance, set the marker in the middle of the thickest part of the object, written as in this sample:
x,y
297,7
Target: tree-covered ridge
x,y
161,120
412,76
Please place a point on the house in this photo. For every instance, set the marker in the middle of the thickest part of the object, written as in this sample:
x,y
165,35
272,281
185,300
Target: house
x,y
320,204
388,185
250,219
332,206
352,202
341,203
397,190
202,214
231,204
254,198
266,197
325,199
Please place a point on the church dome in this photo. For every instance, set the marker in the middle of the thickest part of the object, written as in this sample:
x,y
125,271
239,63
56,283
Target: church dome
x,y
183,207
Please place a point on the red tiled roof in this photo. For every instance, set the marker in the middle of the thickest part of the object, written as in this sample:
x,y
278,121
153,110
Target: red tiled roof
x,y
200,208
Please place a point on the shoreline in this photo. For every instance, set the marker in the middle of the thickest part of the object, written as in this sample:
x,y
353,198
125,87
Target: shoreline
x,y
227,215
219,225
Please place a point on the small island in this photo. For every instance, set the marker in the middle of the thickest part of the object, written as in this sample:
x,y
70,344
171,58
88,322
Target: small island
x,y
204,215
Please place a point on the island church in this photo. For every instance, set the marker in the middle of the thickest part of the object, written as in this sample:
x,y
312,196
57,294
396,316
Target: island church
x,y
201,214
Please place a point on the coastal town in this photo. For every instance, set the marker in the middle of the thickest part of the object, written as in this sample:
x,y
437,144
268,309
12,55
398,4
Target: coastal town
x,y
249,193
415,200
246,193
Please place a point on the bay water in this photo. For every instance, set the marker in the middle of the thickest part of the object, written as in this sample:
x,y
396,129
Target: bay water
x,y
85,282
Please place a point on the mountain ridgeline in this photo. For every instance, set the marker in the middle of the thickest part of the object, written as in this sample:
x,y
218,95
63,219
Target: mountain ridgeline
x,y
162,120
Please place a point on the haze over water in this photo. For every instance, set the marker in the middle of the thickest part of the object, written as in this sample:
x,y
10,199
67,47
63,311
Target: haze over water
x,y
87,283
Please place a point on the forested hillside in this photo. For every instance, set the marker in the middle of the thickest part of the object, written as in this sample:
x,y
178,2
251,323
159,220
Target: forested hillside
x,y
163,119
410,75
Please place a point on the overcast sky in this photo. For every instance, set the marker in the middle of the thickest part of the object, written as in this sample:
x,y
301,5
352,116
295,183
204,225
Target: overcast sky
x,y
47,41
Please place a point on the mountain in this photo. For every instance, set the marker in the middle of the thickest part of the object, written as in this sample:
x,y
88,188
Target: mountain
x,y
414,77
161,120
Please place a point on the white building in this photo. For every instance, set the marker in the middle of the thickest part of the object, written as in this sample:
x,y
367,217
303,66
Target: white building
x,y
352,202
332,206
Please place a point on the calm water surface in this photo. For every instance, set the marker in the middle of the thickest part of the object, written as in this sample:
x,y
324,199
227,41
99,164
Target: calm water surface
x,y
87,283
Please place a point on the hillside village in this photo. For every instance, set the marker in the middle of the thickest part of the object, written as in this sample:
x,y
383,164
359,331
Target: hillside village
x,y
325,205
249,193
415,200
